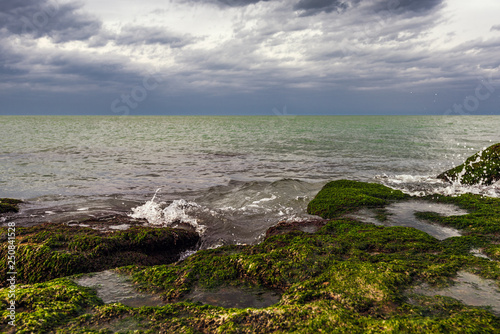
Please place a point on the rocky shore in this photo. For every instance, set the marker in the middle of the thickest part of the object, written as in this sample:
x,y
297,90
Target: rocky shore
x,y
334,274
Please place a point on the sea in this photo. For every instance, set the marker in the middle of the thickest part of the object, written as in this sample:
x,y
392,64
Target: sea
x,y
228,177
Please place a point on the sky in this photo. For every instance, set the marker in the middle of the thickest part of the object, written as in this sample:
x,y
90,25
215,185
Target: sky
x,y
251,57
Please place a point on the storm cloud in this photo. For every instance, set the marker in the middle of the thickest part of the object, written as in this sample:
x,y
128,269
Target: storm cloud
x,y
60,22
231,3
247,56
137,35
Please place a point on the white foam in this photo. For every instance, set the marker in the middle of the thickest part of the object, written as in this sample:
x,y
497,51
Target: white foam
x,y
179,211
121,227
422,185
273,197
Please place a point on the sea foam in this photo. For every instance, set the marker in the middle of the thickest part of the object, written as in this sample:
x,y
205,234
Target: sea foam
x,y
179,211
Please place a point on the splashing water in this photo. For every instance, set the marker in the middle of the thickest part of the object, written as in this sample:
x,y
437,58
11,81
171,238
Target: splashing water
x,y
239,213
423,185
174,214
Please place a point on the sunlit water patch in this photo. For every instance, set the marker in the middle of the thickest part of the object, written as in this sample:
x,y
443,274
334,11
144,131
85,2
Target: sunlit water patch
x,y
403,214
470,289
112,287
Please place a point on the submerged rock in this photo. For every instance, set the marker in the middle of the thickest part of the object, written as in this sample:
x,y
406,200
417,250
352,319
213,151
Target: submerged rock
x,y
481,168
48,251
9,205
308,226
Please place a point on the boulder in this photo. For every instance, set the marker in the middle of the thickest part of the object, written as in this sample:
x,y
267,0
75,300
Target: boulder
x,y
481,168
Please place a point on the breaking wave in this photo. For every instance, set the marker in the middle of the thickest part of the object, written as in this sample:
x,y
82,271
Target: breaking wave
x,y
422,185
238,213
176,213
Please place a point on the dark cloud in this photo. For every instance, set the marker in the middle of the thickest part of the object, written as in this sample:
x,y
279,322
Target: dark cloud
x,y
140,35
60,22
495,27
231,3
312,7
413,7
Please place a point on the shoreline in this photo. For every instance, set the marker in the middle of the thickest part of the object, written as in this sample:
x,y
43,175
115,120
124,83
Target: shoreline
x,y
292,262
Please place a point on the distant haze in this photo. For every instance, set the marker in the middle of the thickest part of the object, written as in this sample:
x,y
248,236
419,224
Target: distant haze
x,y
262,57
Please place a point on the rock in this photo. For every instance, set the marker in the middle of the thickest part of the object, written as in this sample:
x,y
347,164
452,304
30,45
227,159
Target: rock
x,y
308,226
481,168
9,205
348,276
344,196
48,251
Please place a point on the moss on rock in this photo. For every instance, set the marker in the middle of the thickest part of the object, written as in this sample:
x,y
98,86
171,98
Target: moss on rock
x,y
9,205
343,196
48,251
481,168
41,307
347,277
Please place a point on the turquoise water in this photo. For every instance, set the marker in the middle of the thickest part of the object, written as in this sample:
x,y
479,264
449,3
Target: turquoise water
x,y
134,155
260,168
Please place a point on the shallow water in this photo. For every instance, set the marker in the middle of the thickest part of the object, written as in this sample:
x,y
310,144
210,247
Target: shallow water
x,y
470,289
403,214
118,288
235,297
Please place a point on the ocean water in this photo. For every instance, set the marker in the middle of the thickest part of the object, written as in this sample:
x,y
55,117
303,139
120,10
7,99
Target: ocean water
x,y
231,177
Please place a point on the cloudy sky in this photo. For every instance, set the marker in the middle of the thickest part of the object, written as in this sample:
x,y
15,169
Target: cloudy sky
x,y
260,57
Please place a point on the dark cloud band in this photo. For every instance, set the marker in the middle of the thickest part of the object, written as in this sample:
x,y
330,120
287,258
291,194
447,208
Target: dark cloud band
x,y
60,22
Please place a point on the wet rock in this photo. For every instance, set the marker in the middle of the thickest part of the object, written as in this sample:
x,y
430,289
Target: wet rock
x,y
347,274
308,226
481,168
235,297
344,196
48,251
9,205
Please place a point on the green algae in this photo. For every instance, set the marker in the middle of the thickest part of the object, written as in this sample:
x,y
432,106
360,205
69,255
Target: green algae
x,y
481,168
48,251
41,307
347,277
344,196
9,205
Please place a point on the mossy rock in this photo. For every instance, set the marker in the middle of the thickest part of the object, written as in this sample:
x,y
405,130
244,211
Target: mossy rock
x,y
344,196
347,277
481,168
41,307
9,205
48,251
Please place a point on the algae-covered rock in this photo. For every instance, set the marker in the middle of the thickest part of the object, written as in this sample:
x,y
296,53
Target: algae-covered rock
x,y
343,196
481,168
9,205
41,307
345,277
48,251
